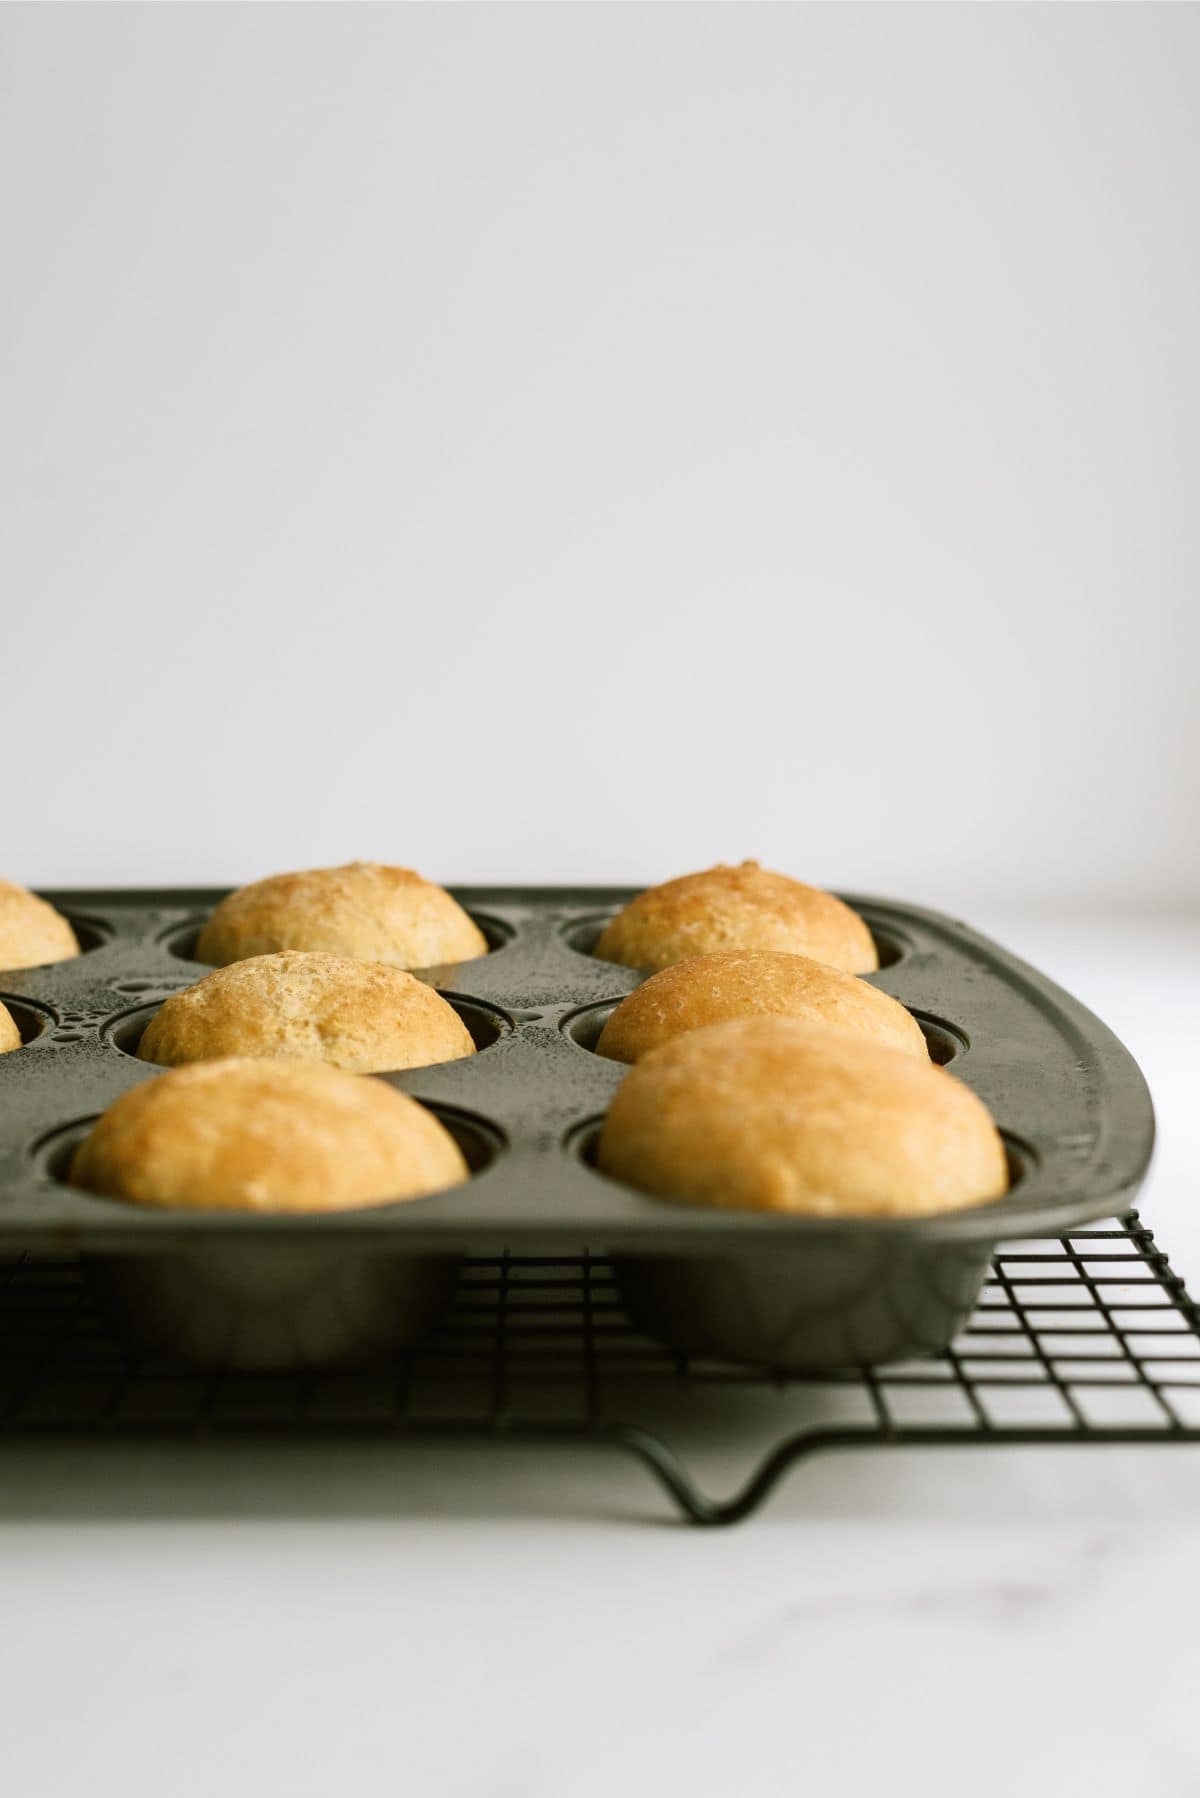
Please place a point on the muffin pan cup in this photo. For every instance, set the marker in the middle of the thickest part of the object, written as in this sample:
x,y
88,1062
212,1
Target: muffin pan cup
x,y
793,1292
829,1305
275,1308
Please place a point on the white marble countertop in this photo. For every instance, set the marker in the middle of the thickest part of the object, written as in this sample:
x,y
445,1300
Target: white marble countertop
x,y
523,1624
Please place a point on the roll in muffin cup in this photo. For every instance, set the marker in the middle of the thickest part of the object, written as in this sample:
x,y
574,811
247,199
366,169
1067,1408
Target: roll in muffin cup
x,y
787,1291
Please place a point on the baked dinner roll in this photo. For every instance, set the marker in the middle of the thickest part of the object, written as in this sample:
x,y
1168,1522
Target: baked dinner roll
x,y
10,1036
31,932
746,907
769,1114
709,989
264,1136
358,1015
372,912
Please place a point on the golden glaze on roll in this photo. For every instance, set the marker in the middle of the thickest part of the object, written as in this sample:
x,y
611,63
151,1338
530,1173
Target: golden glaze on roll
x,y
744,907
32,932
357,1015
266,1136
711,989
364,909
768,1114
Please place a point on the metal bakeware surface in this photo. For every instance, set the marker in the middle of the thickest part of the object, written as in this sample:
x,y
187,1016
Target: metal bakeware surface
x,y
1070,1100
789,1292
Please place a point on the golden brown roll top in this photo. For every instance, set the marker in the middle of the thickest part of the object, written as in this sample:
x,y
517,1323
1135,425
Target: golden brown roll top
x,y
266,1136
744,907
711,989
364,909
769,1114
358,1015
31,931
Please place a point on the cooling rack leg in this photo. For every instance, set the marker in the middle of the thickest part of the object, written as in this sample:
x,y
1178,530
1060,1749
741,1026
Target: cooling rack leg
x,y
695,1505
668,1470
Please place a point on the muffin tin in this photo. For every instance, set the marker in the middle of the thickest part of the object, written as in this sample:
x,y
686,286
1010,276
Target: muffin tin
x,y
793,1292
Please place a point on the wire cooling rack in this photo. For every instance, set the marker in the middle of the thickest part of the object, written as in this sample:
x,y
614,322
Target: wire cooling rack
x,y
1087,1338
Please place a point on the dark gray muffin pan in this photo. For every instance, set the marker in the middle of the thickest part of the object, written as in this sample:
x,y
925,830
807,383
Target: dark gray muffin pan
x,y
795,1292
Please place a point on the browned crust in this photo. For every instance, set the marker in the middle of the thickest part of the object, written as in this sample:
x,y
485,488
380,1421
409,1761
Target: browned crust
x,y
31,931
767,1114
743,907
711,989
266,1136
357,1015
365,909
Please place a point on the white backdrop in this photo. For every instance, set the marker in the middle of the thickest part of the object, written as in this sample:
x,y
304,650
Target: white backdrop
x,y
529,442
